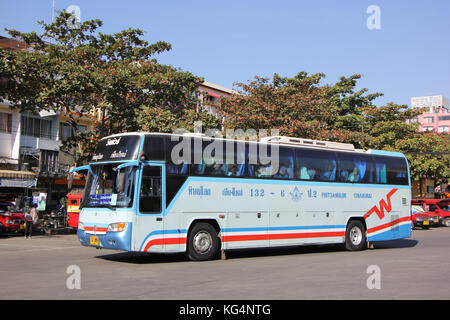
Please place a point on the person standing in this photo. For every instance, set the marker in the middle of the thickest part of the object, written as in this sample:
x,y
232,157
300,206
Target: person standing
x,y
30,218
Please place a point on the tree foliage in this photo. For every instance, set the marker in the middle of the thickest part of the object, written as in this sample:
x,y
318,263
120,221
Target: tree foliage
x,y
303,107
80,71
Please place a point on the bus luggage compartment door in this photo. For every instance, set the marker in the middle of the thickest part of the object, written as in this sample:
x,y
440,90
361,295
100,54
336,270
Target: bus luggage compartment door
x,y
246,229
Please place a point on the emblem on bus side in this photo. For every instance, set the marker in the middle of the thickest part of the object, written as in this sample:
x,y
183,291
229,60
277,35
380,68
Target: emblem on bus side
x,y
296,195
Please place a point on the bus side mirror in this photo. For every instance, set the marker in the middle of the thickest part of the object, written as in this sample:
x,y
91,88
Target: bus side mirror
x,y
69,181
120,181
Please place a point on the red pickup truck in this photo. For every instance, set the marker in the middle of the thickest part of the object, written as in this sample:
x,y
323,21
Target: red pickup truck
x,y
11,221
439,206
420,218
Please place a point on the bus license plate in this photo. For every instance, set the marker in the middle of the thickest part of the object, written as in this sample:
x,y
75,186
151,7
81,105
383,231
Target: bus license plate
x,y
94,241
425,223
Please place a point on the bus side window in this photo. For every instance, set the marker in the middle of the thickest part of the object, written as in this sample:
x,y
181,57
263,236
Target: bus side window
x,y
315,165
380,171
213,158
180,154
260,162
235,159
355,168
285,164
154,148
391,170
397,171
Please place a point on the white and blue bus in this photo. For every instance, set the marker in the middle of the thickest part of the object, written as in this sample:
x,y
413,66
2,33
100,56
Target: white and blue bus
x,y
137,198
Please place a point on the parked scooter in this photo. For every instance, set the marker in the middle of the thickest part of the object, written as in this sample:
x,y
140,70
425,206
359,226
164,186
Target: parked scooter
x,y
54,221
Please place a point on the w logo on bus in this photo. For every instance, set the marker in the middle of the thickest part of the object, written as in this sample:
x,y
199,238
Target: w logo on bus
x,y
383,205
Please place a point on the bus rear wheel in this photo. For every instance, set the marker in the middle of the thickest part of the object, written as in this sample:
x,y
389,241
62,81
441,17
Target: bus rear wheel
x,y
355,236
203,242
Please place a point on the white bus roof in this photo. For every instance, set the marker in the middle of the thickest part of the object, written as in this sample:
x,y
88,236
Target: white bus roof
x,y
282,140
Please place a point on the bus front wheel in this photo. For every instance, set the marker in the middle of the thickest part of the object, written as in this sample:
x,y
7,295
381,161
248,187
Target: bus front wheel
x,y
355,236
203,242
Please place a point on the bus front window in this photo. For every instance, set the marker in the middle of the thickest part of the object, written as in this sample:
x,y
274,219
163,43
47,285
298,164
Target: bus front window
x,y
109,187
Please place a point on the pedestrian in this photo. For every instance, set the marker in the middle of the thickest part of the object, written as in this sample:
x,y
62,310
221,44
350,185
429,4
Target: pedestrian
x,y
30,218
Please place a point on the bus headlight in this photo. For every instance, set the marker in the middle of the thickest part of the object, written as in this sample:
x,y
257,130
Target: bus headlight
x,y
80,226
117,227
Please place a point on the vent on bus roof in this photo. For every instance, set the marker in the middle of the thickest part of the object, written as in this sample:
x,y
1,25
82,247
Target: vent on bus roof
x,y
308,142
194,134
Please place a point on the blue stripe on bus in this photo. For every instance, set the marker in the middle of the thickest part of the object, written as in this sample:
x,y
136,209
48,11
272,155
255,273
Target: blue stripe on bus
x,y
400,232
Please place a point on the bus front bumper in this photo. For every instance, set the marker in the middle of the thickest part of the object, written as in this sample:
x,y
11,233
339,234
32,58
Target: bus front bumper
x,y
107,240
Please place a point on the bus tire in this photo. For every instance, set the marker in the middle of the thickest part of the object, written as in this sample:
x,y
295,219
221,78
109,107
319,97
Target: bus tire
x,y
203,242
355,236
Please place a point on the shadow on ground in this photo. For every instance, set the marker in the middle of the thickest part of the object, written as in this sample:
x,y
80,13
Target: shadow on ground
x,y
144,258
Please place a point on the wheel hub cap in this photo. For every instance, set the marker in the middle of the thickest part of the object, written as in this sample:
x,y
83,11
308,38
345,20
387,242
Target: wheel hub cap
x,y
355,236
202,242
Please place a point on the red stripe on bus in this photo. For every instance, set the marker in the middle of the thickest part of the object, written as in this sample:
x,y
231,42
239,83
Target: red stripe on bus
x,y
160,242
96,229
281,236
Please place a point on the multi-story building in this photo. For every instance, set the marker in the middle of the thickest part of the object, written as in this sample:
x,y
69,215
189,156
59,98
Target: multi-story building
x,y
31,161
210,94
437,113
436,118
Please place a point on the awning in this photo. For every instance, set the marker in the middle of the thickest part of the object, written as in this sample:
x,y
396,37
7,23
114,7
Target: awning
x,y
213,95
18,183
17,174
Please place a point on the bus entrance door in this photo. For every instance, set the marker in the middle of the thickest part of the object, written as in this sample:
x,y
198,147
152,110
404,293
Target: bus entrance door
x,y
149,227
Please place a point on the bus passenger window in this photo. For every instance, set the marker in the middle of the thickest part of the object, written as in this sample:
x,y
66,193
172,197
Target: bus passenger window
x,y
355,167
285,164
391,170
154,148
381,176
397,171
261,164
234,159
178,155
218,169
304,175
150,194
235,170
317,165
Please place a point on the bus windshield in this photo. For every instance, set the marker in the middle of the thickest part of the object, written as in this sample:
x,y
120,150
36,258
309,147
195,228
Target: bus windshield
x,y
109,187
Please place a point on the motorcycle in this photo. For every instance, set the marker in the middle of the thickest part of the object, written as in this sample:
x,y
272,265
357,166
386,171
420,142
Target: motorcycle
x,y
54,221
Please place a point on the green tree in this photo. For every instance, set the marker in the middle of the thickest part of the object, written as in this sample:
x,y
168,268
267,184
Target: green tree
x,y
168,120
302,107
386,125
83,71
428,155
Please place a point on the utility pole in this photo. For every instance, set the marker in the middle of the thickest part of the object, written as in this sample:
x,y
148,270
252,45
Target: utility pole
x,y
53,11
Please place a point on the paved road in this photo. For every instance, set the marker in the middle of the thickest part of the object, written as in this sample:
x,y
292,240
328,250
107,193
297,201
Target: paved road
x,y
415,268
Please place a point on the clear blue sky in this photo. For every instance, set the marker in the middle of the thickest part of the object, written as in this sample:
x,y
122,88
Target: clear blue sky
x,y
234,40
